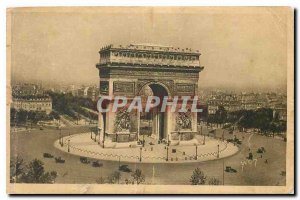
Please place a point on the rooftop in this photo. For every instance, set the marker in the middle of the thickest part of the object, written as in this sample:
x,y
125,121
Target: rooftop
x,y
151,47
149,55
33,97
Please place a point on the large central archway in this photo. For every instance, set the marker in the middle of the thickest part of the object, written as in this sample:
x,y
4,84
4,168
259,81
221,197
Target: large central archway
x,y
154,123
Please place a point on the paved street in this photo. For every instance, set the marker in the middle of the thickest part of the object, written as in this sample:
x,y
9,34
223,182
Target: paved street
x,y
33,144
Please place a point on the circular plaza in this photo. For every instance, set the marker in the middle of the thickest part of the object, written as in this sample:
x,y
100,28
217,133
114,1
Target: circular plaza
x,y
198,150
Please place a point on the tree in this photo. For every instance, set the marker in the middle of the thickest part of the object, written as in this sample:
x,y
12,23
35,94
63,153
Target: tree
x,y
211,118
100,180
221,115
37,174
13,113
198,177
21,116
67,104
263,119
214,181
17,168
282,126
114,177
138,177
54,115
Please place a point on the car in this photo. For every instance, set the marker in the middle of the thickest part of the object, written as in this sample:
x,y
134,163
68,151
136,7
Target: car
x,y
233,170
59,160
259,150
229,169
97,164
47,155
212,131
229,140
250,156
124,168
84,160
238,141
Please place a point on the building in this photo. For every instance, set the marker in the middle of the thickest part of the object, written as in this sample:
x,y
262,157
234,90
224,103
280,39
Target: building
x,y
228,100
92,92
165,71
23,89
32,103
246,101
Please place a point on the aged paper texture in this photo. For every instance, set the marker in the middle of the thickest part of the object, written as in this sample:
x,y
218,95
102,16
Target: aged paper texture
x,y
150,100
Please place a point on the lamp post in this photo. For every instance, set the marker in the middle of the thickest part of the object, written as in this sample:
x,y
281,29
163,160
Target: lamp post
x,y
223,173
59,140
99,131
69,145
143,140
167,153
60,136
100,170
196,157
62,140
223,136
141,154
103,138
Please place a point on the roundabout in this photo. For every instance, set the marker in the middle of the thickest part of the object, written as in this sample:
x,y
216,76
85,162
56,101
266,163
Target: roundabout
x,y
198,150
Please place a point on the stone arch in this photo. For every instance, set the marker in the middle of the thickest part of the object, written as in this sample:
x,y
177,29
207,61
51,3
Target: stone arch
x,y
153,83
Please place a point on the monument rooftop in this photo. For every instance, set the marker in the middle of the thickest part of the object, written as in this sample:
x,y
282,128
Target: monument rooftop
x,y
149,54
151,47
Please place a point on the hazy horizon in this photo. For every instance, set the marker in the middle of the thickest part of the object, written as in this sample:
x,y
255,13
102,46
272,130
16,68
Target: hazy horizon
x,y
241,48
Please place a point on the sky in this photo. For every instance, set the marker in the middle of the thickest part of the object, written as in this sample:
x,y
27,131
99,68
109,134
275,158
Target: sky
x,y
240,47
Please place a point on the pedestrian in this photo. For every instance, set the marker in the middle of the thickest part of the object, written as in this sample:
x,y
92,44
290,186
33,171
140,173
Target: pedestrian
x,y
266,161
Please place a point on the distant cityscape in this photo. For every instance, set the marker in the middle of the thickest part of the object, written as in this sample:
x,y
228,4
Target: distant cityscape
x,y
212,99
244,101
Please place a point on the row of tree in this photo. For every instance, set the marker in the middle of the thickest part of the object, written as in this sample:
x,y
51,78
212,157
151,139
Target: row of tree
x,y
86,113
72,105
263,119
115,178
33,172
20,117
199,178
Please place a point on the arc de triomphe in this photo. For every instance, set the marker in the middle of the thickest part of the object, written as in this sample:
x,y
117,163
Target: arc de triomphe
x,y
167,71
